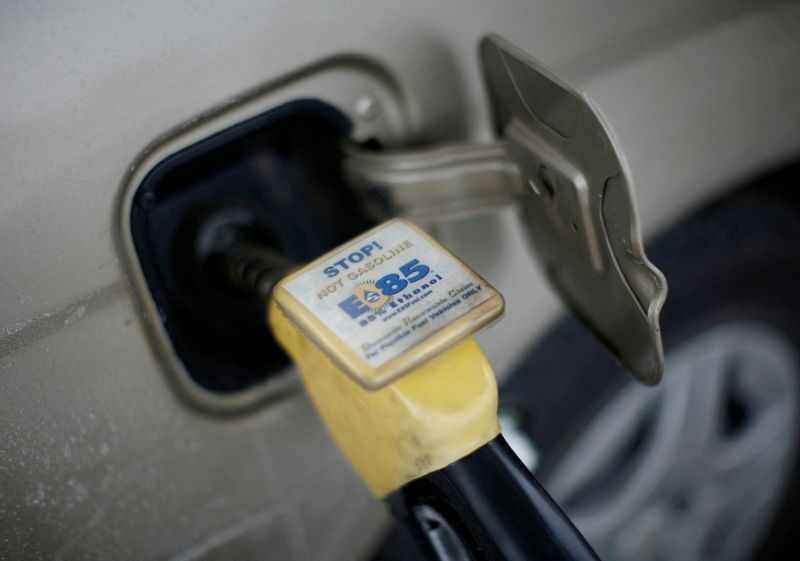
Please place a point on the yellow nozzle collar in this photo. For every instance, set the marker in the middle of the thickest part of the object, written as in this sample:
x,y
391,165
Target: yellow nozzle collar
x,y
424,421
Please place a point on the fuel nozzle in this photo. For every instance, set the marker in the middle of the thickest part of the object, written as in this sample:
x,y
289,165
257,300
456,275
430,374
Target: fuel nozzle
x,y
237,255
382,332
254,269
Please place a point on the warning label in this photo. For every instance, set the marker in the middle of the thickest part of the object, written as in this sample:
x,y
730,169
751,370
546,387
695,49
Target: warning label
x,y
387,293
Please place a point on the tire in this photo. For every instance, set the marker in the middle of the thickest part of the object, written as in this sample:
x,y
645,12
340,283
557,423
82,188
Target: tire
x,y
734,264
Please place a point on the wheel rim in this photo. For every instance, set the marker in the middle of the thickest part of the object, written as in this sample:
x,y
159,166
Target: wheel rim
x,y
694,468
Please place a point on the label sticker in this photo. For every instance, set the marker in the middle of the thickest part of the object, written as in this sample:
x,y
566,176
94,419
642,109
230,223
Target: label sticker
x,y
386,293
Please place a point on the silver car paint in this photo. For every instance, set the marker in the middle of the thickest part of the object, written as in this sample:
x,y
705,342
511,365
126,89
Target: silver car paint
x,y
98,458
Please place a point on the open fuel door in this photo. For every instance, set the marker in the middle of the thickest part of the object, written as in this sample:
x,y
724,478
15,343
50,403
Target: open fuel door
x,y
579,213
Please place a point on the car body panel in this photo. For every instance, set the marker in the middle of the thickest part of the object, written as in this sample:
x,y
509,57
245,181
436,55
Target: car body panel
x,y
99,458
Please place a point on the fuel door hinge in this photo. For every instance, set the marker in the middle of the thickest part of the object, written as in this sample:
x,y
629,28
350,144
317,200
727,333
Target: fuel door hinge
x,y
557,161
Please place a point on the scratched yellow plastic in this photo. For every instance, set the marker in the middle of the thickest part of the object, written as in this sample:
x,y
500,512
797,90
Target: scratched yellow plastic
x,y
420,423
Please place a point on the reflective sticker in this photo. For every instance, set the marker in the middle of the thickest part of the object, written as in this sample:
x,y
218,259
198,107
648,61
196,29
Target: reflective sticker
x,y
389,292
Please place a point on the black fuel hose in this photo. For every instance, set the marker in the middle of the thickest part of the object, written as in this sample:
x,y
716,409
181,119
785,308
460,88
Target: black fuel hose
x,y
487,506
